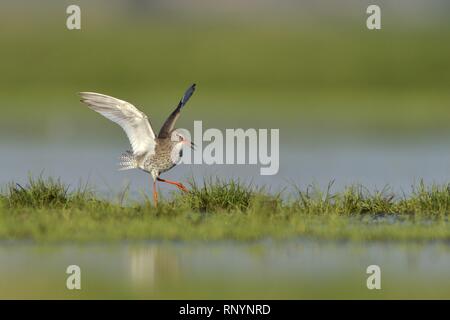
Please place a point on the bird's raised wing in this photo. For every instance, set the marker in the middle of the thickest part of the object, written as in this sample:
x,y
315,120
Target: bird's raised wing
x,y
167,128
134,122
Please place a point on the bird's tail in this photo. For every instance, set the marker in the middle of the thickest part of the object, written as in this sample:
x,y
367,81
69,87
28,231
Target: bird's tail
x,y
127,161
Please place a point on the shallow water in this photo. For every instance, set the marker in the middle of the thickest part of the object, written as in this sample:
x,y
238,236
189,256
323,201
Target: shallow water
x,y
295,270
372,164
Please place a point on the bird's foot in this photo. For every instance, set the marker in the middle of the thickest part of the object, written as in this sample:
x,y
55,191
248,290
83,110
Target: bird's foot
x,y
182,187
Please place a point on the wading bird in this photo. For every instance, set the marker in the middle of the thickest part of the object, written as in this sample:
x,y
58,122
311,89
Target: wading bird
x,y
150,153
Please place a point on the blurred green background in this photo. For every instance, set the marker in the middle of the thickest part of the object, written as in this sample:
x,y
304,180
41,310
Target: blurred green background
x,y
302,66
310,68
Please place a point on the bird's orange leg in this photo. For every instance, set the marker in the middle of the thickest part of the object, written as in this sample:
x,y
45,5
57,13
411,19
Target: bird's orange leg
x,y
155,194
178,184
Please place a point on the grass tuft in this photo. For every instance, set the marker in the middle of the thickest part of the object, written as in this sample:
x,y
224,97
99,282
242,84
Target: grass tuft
x,y
46,193
219,195
431,200
353,200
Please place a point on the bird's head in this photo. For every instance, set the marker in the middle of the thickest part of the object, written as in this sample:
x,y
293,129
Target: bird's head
x,y
182,138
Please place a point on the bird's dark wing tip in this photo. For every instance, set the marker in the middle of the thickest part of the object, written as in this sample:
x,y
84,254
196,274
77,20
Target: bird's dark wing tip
x,y
191,89
188,94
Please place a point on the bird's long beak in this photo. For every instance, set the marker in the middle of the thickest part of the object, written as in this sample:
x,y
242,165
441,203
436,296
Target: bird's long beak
x,y
190,143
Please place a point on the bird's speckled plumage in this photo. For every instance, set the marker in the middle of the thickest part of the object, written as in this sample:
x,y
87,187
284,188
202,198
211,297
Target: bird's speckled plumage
x,y
161,161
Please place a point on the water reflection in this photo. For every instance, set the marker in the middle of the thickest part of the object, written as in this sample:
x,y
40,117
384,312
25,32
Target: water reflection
x,y
152,265
226,270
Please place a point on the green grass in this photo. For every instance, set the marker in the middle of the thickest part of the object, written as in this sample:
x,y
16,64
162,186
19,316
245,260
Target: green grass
x,y
48,210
